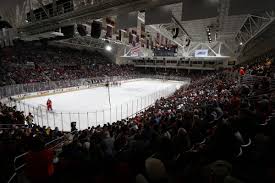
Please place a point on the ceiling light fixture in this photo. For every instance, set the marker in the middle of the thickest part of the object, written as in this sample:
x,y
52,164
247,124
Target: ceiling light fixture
x,y
108,48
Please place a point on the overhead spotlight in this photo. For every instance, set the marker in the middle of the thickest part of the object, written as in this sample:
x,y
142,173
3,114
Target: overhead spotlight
x,y
241,43
208,33
108,48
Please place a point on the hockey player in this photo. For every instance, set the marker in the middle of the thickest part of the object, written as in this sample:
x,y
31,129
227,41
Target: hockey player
x,y
49,105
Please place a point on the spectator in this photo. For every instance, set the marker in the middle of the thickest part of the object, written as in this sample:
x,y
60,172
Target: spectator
x,y
39,162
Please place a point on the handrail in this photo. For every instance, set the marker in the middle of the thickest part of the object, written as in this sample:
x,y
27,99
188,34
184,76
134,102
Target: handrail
x,y
9,126
2,124
24,154
59,138
12,177
19,156
47,144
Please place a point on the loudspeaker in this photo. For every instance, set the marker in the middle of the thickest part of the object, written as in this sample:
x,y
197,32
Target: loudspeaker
x,y
68,31
81,30
96,29
176,31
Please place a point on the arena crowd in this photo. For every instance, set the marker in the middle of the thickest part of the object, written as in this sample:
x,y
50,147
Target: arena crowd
x,y
216,130
54,64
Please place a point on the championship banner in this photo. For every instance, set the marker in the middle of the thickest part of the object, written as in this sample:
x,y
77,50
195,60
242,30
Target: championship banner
x,y
133,38
169,43
118,38
124,35
158,38
152,43
109,32
110,23
137,39
130,37
161,40
142,31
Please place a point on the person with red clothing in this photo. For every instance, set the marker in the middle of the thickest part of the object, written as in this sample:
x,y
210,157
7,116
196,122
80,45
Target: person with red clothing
x,y
242,71
39,162
49,105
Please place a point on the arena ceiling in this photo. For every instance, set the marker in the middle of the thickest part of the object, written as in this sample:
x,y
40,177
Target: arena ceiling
x,y
228,31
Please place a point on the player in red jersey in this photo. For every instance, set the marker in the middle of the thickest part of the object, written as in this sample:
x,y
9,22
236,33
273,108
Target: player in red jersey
x,y
49,105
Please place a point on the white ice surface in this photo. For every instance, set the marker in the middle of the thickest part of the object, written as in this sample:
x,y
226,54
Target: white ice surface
x,y
90,107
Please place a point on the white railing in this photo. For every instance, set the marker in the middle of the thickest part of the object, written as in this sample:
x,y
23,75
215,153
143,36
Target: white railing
x,y
63,120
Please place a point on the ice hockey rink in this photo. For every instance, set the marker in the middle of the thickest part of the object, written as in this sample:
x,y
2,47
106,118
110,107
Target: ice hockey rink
x,y
91,107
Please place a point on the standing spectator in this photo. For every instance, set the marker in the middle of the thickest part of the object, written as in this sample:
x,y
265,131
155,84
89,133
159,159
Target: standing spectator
x,y
29,120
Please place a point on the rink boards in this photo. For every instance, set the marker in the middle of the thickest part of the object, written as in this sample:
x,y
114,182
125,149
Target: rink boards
x,y
89,106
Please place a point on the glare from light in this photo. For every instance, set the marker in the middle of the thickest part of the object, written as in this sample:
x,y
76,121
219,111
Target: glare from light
x,y
241,43
108,48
